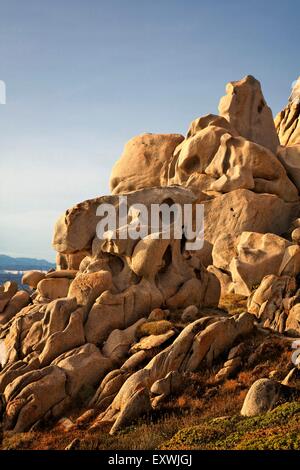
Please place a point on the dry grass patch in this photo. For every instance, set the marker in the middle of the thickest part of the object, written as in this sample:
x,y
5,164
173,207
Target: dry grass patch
x,y
233,303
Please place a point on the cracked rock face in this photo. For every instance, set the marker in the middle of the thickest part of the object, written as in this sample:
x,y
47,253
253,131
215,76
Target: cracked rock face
x,y
101,326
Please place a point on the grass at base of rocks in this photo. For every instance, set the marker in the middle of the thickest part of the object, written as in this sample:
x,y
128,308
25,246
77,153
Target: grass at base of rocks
x,y
194,417
277,430
158,327
233,303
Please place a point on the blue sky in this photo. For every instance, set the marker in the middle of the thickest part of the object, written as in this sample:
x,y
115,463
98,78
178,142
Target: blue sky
x,y
85,76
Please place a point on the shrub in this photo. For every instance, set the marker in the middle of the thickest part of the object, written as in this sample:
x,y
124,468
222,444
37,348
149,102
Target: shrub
x,y
153,328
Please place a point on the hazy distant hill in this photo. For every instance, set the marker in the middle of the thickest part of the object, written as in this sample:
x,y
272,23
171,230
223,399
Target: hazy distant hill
x,y
23,264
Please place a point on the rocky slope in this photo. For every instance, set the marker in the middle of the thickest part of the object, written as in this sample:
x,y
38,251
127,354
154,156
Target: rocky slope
x,y
121,321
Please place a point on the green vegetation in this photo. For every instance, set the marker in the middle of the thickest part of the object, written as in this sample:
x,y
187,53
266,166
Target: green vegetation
x,y
278,429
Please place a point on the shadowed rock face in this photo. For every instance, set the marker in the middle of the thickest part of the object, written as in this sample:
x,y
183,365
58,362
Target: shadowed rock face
x,y
85,329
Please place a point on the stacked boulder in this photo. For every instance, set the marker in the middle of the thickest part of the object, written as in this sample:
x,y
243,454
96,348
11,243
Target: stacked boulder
x,y
104,322
11,301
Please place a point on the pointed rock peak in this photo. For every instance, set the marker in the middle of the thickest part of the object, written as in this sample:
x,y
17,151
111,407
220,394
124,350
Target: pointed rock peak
x,y
245,108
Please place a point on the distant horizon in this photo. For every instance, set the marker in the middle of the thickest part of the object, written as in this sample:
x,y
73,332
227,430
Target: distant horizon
x,y
82,80
28,257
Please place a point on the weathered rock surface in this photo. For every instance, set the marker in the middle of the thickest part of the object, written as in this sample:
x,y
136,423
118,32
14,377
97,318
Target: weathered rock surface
x,y
276,304
242,164
152,341
53,288
118,320
244,211
289,157
264,395
144,162
7,291
87,287
76,229
190,313
249,257
32,278
204,339
246,110
118,343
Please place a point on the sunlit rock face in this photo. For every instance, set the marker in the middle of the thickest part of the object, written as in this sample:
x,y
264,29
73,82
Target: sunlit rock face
x,y
110,317
287,122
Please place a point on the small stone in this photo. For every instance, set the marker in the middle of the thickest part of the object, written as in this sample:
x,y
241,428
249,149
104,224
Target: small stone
x,y
158,314
65,424
275,374
74,445
229,369
235,362
190,313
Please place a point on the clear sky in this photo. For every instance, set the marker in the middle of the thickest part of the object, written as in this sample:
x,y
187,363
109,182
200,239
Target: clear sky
x,y
84,76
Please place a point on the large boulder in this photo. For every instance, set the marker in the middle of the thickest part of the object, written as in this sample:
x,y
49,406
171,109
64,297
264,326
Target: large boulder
x,y
249,257
31,396
76,229
245,211
264,395
57,329
215,158
87,287
242,164
276,304
53,288
144,162
84,367
194,154
246,110
32,278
